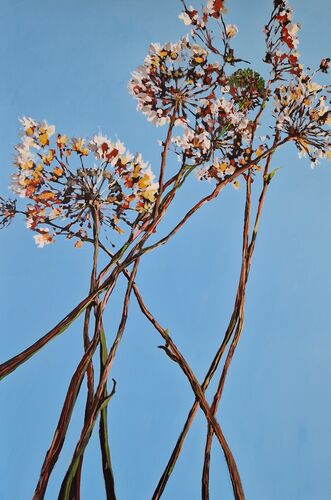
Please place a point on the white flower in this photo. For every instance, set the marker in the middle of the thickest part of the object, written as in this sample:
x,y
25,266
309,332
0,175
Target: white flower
x,y
17,186
314,87
120,147
99,145
202,173
150,192
292,29
138,160
28,123
185,18
211,10
29,222
55,213
44,238
47,129
231,30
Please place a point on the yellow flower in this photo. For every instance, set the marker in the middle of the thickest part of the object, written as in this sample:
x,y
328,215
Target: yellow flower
x,y
78,244
47,159
43,139
313,114
27,165
144,181
149,194
58,171
38,172
47,195
136,172
303,145
78,146
313,86
29,131
259,151
61,141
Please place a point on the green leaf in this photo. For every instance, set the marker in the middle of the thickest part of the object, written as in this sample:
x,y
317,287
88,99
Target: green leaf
x,y
269,177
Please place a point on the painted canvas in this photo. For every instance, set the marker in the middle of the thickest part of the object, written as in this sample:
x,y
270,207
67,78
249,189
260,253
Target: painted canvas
x,y
165,318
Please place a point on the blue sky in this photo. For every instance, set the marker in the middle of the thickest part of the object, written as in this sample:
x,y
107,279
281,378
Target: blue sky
x,y
69,62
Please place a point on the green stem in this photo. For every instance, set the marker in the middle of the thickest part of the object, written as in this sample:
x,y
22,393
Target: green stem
x,y
107,469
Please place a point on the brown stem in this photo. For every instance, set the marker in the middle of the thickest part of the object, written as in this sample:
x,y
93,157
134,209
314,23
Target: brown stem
x,y
10,365
213,367
248,250
98,400
63,423
191,415
241,298
90,370
173,352
70,400
164,155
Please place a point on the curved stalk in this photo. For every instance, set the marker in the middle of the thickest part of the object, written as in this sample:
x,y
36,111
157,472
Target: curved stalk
x,y
173,352
90,370
213,367
107,469
248,250
98,400
241,299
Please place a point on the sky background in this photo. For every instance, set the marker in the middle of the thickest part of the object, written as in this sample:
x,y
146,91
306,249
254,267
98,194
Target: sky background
x,y
69,62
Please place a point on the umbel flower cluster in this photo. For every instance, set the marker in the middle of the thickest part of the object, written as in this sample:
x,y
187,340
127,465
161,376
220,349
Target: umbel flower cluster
x,y
65,179
210,103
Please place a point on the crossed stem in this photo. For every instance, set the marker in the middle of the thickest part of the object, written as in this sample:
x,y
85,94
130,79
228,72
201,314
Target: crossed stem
x,y
247,255
228,334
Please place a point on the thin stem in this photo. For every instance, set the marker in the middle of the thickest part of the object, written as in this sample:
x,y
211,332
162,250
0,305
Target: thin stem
x,y
173,352
248,250
63,423
90,369
164,155
103,429
70,400
213,367
10,365
241,293
98,401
